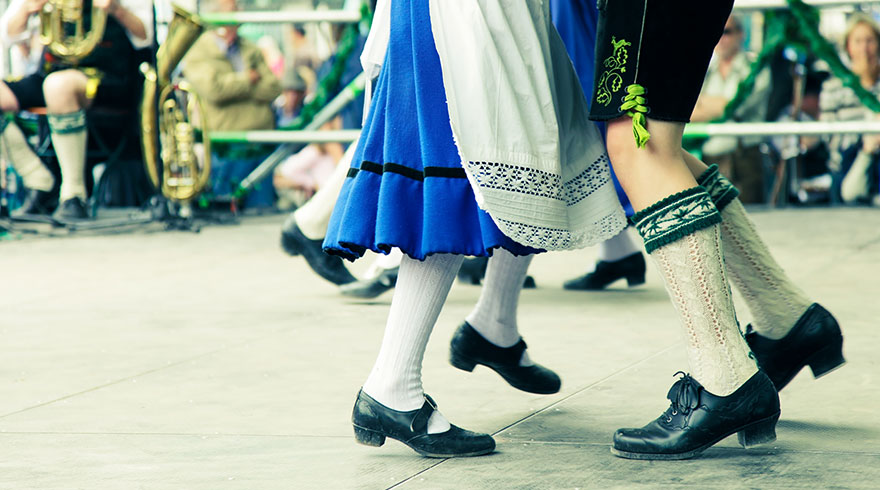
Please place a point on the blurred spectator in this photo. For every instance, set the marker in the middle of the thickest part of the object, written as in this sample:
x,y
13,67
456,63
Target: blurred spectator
x,y
302,174
293,93
238,88
854,157
739,159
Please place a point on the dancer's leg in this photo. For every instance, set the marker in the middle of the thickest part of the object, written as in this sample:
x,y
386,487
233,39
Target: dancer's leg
x,y
392,402
494,316
790,331
680,226
490,335
679,233
396,378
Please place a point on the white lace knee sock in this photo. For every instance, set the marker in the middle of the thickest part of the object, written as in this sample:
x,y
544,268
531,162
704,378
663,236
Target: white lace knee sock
x,y
69,139
774,300
494,316
693,270
396,378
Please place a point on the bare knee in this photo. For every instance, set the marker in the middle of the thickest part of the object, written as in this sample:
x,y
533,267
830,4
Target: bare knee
x,y
64,91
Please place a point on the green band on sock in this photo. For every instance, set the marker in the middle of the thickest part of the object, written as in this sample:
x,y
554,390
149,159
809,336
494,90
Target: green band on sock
x,y
675,217
67,123
719,188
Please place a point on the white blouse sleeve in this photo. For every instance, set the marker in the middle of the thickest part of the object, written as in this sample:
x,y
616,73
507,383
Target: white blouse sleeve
x,y
6,41
143,10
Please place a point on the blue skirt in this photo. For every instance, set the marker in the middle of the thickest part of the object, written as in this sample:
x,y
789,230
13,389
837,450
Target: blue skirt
x,y
406,187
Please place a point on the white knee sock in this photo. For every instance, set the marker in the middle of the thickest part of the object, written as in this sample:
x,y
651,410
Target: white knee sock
x,y
494,316
774,300
693,270
33,173
314,216
617,247
396,378
69,140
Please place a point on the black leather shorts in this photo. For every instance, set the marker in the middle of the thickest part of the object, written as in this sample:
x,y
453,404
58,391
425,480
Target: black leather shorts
x,y
663,45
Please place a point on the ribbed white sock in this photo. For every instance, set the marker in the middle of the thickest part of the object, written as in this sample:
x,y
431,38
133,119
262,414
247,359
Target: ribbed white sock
x,y
314,216
494,316
33,173
693,270
396,378
617,247
69,141
774,300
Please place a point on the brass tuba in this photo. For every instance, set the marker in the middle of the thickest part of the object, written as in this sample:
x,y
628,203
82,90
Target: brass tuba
x,y
168,136
62,29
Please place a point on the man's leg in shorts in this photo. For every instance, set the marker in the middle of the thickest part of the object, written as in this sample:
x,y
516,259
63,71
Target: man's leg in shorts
x,y
35,175
66,101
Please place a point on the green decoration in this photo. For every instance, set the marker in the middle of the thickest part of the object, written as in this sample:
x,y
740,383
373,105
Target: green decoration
x,y
636,107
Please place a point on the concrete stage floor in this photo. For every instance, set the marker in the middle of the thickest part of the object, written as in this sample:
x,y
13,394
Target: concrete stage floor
x,y
173,360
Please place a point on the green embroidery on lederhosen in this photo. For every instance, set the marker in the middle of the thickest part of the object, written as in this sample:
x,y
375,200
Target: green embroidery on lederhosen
x,y
611,80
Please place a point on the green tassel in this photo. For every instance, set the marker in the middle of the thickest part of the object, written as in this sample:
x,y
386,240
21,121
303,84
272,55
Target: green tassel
x,y
635,107
640,133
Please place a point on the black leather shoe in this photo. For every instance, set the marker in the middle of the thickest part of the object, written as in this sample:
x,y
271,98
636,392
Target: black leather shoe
x,y
72,209
631,267
370,288
373,422
468,348
815,341
698,419
39,202
329,267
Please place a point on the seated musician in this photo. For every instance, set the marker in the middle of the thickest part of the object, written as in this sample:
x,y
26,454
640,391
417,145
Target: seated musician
x,y
106,77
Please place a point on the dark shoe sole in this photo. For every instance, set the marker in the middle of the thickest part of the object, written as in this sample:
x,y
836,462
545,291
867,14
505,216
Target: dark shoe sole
x,y
465,363
750,435
369,437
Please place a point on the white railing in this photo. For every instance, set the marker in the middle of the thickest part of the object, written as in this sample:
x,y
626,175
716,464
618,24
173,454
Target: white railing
x,y
284,16
779,4
696,130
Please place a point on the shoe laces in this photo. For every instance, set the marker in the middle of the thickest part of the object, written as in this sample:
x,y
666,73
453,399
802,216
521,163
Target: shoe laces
x,y
684,395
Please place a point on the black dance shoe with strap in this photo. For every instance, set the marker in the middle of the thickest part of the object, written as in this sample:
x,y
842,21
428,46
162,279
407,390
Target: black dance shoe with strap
x,y
697,419
468,348
373,422
815,341
631,268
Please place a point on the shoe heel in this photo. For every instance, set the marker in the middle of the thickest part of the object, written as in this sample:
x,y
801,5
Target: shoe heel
x,y
826,360
368,437
635,279
461,362
760,432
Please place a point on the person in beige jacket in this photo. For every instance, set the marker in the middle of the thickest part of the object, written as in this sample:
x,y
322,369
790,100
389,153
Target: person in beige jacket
x,y
237,88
